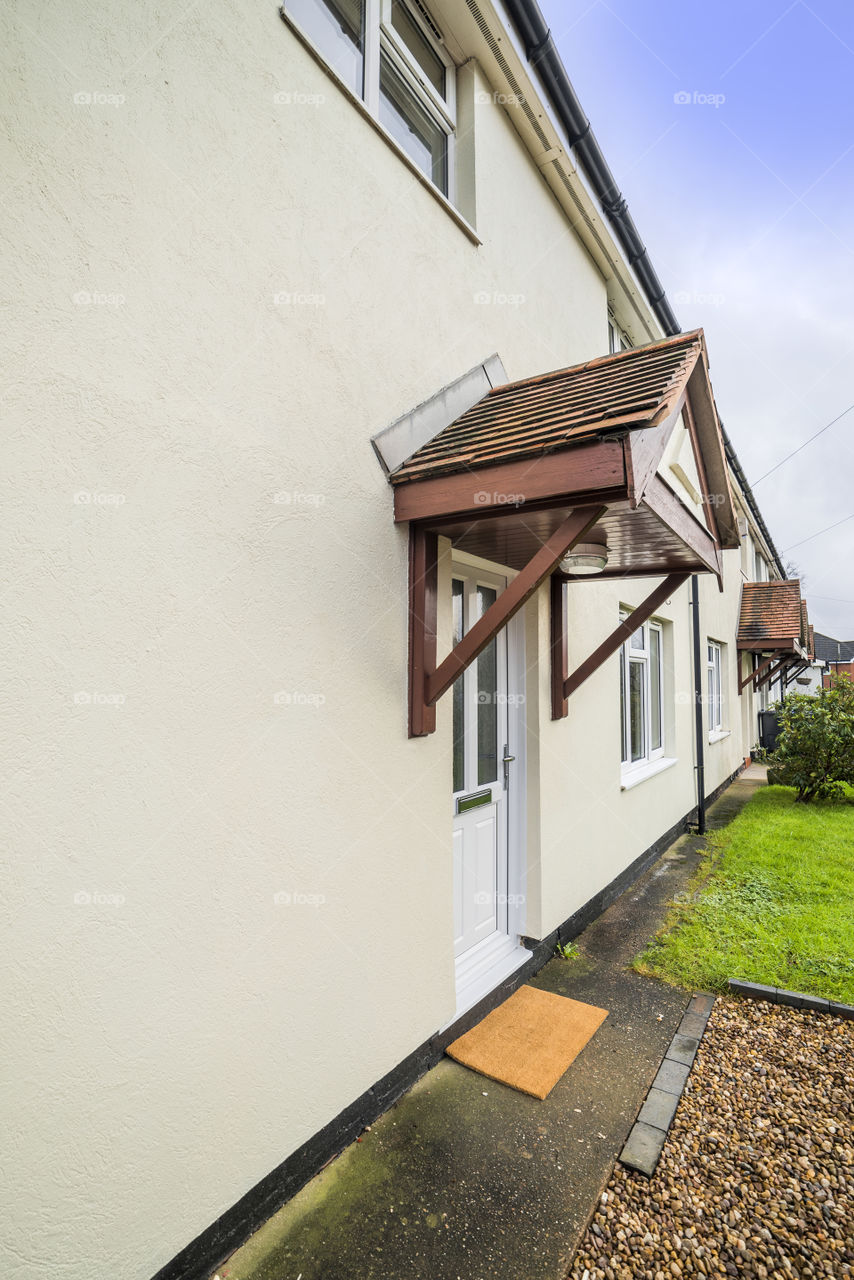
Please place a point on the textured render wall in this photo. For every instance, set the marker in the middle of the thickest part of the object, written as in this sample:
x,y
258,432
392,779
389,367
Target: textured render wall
x,y
176,1030
590,829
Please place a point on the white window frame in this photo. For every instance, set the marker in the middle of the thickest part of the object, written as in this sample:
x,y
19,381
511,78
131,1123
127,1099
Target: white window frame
x,y
381,39
617,339
640,653
714,686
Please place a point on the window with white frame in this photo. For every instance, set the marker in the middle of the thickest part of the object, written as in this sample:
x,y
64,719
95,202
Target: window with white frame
x,y
392,55
714,686
641,696
617,339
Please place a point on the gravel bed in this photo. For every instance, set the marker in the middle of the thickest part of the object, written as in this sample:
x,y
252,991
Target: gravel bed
x,y
757,1174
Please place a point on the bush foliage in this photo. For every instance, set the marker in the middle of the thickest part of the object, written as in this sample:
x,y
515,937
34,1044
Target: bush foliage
x,y
815,742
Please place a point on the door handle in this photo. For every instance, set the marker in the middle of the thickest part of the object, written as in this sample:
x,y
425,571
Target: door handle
x,y
507,760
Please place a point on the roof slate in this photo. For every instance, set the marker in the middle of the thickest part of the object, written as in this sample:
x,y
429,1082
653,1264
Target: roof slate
x,y
770,611
617,393
830,650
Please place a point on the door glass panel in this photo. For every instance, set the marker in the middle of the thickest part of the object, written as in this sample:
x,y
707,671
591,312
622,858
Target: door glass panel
x,y
636,694
457,599
487,700
655,688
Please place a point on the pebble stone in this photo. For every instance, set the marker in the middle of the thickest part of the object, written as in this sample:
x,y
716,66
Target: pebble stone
x,y
757,1174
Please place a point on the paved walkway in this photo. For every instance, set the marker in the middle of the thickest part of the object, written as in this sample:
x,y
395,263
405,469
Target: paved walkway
x,y
466,1179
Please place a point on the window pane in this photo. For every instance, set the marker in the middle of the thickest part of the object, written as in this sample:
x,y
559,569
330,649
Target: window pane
x,y
711,697
624,745
335,27
637,709
410,125
418,45
487,700
655,688
637,639
459,692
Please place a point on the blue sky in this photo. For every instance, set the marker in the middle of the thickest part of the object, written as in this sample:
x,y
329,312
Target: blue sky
x,y
745,198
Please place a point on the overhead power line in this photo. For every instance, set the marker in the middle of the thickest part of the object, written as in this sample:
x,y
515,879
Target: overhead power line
x,y
777,466
818,535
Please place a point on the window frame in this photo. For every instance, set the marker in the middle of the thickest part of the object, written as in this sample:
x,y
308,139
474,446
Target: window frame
x,y
618,340
641,655
381,42
714,686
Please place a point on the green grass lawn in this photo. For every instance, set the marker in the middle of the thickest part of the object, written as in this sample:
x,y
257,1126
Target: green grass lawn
x,y
773,903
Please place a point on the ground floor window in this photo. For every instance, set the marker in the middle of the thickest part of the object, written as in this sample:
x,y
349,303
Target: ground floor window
x,y
641,705
714,686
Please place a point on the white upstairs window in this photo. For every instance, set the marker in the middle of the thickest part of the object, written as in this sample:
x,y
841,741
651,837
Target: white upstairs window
x,y
391,54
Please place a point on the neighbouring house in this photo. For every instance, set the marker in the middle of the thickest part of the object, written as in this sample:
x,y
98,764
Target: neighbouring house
x,y
386,593
837,655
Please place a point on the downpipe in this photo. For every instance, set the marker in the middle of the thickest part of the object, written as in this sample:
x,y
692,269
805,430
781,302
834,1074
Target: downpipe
x,y
698,705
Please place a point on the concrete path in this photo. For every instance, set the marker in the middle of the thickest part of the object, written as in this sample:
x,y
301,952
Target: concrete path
x,y
466,1179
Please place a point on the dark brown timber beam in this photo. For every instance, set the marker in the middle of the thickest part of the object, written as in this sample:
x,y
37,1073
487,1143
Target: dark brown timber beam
x,y
423,586
510,601
560,647
621,633
592,467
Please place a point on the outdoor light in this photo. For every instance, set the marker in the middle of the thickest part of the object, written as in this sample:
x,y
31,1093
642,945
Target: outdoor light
x,y
587,557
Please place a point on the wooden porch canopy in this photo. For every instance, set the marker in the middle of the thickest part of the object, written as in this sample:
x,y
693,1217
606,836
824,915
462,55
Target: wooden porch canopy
x,y
533,467
774,626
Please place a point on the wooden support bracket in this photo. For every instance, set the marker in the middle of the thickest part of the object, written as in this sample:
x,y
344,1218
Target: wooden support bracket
x,y
564,684
752,675
427,682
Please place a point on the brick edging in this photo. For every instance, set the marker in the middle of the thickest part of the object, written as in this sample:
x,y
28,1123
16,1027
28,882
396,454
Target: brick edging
x,y
795,999
646,1140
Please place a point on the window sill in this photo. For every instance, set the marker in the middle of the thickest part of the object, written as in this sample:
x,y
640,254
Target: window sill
x,y
452,211
635,776
718,735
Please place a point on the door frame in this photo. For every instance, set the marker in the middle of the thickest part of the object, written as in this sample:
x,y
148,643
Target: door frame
x,y
516,794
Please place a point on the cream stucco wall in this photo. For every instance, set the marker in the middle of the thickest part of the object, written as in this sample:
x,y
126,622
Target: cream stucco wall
x,y
228,901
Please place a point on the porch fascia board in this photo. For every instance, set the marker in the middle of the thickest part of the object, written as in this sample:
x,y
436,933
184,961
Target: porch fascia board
x,y
663,502
767,644
559,478
645,449
564,683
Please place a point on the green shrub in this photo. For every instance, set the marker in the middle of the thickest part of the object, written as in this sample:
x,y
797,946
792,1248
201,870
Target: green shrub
x,y
815,742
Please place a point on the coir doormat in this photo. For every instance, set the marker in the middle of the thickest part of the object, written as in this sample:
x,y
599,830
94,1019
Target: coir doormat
x,y
529,1041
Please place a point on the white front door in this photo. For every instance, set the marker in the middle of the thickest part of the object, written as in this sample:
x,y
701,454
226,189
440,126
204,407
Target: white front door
x,y
487,715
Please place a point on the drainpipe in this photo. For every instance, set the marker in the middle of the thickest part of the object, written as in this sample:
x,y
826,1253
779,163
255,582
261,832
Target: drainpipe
x,y
698,706
542,53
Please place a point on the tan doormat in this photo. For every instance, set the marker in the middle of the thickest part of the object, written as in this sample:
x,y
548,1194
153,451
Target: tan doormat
x,y
529,1040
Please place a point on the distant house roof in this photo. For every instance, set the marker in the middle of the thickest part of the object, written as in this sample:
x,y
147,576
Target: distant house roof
x,y
771,616
830,650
